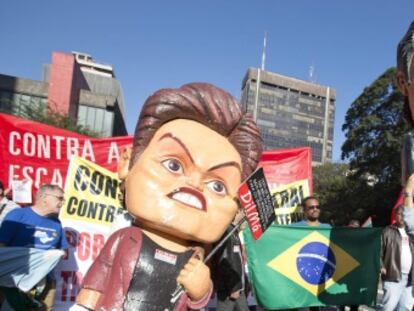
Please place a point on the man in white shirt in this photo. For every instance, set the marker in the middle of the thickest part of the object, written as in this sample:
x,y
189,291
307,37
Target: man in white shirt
x,y
396,265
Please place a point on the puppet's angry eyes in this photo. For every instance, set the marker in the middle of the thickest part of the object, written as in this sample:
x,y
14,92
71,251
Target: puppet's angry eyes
x,y
217,187
173,165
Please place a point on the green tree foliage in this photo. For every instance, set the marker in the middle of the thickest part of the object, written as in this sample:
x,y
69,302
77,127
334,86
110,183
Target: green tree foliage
x,y
374,126
57,119
342,196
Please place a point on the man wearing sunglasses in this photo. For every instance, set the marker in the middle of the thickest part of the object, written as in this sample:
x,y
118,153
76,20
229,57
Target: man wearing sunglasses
x,y
312,211
38,227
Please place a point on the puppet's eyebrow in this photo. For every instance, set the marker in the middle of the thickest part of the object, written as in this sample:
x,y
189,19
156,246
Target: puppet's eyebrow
x,y
231,163
170,135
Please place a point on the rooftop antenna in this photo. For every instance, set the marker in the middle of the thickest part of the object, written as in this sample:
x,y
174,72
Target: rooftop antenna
x,y
312,77
264,50
256,101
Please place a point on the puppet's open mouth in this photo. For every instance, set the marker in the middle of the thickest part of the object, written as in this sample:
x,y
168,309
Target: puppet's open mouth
x,y
189,197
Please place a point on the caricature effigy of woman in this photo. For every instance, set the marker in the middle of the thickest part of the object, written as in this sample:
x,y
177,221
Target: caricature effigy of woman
x,y
192,148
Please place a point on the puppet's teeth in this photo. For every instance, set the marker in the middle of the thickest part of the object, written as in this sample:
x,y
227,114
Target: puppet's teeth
x,y
187,199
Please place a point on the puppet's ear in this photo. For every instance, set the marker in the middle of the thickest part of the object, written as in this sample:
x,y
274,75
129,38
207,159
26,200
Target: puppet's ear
x,y
123,163
402,83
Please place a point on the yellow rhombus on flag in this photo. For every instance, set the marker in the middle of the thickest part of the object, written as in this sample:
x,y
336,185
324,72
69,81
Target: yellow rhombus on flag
x,y
341,263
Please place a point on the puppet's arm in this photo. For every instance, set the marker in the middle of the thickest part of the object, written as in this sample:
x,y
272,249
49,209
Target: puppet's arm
x,y
96,279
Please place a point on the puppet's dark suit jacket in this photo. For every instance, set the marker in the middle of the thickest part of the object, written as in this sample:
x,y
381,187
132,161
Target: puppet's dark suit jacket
x,y
111,272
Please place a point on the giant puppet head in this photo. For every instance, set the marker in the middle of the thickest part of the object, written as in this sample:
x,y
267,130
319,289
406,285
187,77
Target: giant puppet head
x,y
192,148
405,71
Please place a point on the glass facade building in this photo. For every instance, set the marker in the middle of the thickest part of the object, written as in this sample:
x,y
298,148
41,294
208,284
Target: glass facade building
x,y
17,94
291,112
15,103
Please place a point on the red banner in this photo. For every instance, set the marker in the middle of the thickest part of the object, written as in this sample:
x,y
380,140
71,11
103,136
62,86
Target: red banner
x,y
289,175
41,153
285,166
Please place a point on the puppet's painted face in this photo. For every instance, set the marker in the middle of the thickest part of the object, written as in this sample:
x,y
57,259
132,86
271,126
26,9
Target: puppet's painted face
x,y
185,182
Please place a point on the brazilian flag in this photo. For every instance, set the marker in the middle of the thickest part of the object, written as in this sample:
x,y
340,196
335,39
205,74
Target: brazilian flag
x,y
293,267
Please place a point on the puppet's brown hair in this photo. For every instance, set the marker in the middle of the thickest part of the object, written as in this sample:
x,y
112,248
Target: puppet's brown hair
x,y
208,105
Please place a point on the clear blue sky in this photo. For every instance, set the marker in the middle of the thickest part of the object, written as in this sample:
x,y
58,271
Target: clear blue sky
x,y
154,44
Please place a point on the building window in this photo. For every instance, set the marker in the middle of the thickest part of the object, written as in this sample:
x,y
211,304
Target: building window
x,y
6,101
96,119
18,104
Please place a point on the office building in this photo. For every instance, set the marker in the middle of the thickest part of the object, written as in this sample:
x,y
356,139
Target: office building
x,y
73,84
291,112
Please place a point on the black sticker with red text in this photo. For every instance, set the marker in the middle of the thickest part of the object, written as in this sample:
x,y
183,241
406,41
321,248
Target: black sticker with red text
x,y
255,197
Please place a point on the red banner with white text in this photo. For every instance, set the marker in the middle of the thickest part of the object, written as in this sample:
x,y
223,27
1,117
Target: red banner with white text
x,y
41,153
289,175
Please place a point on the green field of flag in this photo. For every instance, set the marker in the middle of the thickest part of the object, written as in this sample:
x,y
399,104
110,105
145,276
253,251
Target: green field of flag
x,y
292,267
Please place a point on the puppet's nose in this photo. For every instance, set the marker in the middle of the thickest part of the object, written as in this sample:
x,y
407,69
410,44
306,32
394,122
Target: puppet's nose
x,y
195,180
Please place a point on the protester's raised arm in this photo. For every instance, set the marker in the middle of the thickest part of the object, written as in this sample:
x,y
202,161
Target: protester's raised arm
x,y
408,192
408,213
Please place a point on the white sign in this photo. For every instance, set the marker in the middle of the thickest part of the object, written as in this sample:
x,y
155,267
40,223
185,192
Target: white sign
x,y
22,191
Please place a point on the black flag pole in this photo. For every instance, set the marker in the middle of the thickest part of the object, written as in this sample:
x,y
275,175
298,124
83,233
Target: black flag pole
x,y
223,240
179,290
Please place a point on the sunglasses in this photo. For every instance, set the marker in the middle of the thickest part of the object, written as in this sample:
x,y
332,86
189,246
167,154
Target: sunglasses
x,y
60,198
312,207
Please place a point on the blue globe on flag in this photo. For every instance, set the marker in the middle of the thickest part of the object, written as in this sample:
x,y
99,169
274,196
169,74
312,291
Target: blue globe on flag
x,y
316,263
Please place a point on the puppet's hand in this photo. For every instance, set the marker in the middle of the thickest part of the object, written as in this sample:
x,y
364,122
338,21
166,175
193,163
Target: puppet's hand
x,y
88,298
195,278
409,187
